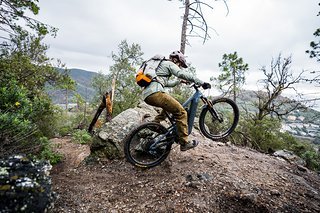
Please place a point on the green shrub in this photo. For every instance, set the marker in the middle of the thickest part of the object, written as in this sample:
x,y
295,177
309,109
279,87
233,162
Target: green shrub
x,y
44,116
67,122
266,135
81,136
63,125
46,152
16,126
24,119
312,159
261,135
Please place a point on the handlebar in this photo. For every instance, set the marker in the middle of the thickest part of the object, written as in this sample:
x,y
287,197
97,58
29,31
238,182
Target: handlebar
x,y
197,86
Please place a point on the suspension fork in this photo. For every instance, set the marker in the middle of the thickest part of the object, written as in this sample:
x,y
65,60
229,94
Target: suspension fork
x,y
213,112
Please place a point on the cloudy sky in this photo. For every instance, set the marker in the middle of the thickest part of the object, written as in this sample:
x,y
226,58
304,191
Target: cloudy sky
x,y
258,30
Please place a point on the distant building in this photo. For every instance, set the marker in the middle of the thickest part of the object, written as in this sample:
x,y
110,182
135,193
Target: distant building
x,y
291,118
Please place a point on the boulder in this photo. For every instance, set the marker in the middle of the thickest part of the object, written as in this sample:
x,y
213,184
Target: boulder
x,y
290,157
25,185
108,141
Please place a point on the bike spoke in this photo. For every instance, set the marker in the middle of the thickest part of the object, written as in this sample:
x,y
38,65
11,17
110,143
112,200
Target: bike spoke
x,y
218,122
148,145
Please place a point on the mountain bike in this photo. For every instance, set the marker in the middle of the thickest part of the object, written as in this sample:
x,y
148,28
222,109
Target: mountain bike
x,y
150,143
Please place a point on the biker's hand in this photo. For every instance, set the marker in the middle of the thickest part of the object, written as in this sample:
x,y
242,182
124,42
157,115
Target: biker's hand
x,y
206,85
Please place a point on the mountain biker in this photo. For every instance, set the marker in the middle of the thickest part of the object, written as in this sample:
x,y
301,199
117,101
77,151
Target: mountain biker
x,y
155,95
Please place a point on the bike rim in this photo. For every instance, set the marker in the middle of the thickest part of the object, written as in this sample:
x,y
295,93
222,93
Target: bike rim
x,y
148,147
222,125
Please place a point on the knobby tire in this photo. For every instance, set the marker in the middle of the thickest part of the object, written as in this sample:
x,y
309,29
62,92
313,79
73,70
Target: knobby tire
x,y
136,144
214,129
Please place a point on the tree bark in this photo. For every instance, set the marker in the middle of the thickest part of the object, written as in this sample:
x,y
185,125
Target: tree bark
x,y
184,27
234,85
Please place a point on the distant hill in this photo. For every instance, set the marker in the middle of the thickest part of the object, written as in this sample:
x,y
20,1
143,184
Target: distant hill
x,y
83,79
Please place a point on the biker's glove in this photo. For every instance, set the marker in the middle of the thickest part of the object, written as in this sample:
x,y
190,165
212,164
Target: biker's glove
x,y
206,85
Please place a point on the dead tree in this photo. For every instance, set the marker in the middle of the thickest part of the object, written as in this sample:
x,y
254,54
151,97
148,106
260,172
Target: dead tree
x,y
278,79
194,23
106,103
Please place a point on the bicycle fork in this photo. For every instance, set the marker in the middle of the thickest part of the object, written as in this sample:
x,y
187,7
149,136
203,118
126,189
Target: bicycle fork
x,y
214,113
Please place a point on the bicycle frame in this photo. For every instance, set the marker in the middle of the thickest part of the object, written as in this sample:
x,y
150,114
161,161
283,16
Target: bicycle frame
x,y
192,103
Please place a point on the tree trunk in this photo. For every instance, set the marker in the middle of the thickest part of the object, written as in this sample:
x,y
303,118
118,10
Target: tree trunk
x,y
234,85
113,88
184,28
85,105
67,101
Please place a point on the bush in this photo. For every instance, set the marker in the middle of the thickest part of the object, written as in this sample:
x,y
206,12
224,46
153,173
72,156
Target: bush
x,y
24,119
66,122
261,135
46,152
44,116
312,159
16,126
81,136
266,135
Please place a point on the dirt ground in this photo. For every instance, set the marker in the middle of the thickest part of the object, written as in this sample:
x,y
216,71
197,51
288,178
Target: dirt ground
x,y
214,177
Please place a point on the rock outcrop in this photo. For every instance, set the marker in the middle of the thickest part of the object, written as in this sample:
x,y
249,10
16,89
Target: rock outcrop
x,y
25,185
108,141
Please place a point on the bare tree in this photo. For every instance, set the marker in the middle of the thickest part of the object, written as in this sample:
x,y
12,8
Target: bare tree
x,y
278,79
194,22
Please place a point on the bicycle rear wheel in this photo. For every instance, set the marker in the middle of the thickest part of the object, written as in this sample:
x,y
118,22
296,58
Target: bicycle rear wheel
x,y
219,121
147,145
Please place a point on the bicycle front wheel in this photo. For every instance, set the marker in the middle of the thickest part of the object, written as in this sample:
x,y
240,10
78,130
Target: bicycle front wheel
x,y
219,121
147,145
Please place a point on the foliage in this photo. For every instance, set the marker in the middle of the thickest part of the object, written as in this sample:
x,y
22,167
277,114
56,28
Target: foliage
x,y
101,83
312,159
14,22
46,152
122,72
65,122
81,136
23,119
266,136
233,74
315,45
15,117
67,85
261,135
26,111
25,61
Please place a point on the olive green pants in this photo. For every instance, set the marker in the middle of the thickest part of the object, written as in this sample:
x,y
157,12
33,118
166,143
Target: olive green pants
x,y
171,105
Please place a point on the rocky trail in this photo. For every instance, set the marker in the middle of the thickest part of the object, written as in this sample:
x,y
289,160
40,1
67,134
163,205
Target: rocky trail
x,y
214,177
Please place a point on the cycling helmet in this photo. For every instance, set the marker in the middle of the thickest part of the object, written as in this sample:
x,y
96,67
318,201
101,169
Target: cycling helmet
x,y
178,55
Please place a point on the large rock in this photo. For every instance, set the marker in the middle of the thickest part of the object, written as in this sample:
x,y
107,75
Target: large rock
x,y
25,185
108,141
290,157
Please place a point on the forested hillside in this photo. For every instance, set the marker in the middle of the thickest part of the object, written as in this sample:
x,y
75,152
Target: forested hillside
x,y
83,79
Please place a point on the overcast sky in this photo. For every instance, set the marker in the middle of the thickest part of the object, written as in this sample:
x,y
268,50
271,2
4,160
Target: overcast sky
x,y
257,29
